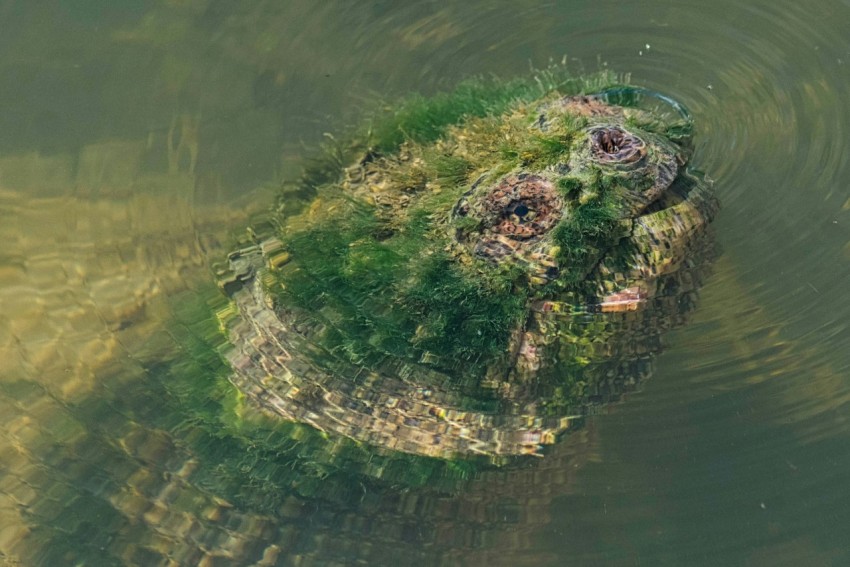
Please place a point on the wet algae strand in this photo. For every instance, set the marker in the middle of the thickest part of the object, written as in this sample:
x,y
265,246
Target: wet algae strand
x,y
467,270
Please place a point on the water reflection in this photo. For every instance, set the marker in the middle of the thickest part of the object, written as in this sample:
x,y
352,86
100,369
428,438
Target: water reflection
x,y
733,453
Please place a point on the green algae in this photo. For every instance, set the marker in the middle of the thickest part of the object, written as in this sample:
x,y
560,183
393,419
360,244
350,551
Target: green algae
x,y
592,227
345,270
423,120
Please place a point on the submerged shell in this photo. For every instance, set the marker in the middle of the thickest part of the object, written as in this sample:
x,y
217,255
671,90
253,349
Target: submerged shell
x,y
475,295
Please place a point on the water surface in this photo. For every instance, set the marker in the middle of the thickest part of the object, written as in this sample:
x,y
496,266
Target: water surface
x,y
136,140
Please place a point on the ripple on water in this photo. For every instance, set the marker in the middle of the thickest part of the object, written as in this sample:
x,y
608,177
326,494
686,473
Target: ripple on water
x,y
734,452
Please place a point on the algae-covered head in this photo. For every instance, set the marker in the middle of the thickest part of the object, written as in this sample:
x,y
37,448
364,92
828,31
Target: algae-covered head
x,y
455,287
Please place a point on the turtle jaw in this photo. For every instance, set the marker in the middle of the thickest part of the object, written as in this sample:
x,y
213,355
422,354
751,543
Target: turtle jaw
x,y
663,237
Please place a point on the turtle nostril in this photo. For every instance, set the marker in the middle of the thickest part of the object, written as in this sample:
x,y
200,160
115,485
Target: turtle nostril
x,y
609,140
613,144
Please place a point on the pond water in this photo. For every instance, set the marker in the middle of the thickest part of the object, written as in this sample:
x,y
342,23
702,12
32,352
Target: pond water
x,y
138,138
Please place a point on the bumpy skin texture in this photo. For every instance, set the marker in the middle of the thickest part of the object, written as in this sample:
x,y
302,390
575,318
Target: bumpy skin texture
x,y
593,316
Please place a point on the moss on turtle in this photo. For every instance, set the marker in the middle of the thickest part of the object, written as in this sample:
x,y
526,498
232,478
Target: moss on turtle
x,y
447,286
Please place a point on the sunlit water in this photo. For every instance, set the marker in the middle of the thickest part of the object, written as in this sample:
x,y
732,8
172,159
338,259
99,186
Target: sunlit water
x,y
136,142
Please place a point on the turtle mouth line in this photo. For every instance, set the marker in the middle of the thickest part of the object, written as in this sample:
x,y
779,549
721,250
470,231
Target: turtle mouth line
x,y
669,198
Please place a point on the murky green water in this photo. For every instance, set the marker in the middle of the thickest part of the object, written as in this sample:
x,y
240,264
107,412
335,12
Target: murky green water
x,y
137,138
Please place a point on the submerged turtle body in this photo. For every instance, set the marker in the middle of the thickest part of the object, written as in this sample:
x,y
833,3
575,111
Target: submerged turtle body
x,y
473,295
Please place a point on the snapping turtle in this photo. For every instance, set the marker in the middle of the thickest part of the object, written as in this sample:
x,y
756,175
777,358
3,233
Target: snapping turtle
x,y
471,292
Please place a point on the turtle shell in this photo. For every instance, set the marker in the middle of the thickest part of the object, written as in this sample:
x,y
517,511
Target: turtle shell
x,y
475,294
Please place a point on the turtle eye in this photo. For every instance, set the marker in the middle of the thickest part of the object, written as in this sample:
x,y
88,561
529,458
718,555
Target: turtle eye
x,y
515,216
518,208
521,207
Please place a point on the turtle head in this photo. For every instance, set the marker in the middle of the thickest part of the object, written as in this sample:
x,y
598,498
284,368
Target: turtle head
x,y
440,253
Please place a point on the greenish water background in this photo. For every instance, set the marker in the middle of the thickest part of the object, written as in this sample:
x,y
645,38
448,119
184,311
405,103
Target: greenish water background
x,y
137,137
